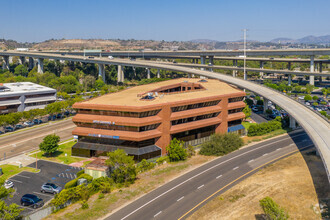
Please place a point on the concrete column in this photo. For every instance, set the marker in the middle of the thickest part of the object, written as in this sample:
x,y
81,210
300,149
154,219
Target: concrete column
x,y
203,58
211,63
265,104
292,122
311,78
320,70
235,65
5,64
148,73
40,65
101,71
120,74
10,59
289,65
31,63
158,73
22,60
289,79
261,68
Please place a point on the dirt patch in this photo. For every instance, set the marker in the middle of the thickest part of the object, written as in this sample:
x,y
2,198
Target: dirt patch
x,y
145,183
288,182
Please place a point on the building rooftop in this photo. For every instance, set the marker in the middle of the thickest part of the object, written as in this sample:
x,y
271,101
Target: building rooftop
x,y
164,92
19,88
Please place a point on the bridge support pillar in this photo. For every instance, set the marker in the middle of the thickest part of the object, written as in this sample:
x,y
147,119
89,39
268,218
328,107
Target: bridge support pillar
x,y
5,64
101,71
120,74
148,73
203,58
31,63
289,79
261,68
311,78
292,123
40,65
235,65
22,60
265,104
158,73
320,70
211,62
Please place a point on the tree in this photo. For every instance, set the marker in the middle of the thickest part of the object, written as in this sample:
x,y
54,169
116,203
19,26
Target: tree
x,y
21,70
89,82
308,97
315,97
273,210
249,102
122,166
221,144
176,151
12,211
50,144
247,111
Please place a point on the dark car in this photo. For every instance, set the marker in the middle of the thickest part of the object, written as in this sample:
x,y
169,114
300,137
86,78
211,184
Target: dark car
x,y
9,129
32,200
51,117
51,188
37,121
18,127
28,123
59,115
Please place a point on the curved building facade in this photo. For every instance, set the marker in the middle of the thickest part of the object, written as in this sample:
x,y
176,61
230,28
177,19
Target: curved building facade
x,y
142,120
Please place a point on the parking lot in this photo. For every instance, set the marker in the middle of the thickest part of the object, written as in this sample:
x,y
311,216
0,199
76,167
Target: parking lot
x,y
26,182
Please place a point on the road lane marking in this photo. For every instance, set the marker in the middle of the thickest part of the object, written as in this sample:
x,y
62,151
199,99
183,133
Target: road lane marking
x,y
157,214
180,198
250,161
43,194
265,154
235,168
16,180
204,171
200,186
23,176
218,176
295,151
278,148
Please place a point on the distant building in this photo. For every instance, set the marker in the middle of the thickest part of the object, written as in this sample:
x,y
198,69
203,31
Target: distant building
x,y
97,168
23,96
142,120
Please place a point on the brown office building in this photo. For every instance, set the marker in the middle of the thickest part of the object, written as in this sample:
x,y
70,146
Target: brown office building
x,y
142,120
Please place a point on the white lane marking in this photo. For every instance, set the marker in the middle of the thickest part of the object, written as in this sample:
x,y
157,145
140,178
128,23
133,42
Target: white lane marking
x,y
235,168
265,154
218,176
16,180
157,214
278,148
23,176
250,161
180,198
204,171
43,194
200,186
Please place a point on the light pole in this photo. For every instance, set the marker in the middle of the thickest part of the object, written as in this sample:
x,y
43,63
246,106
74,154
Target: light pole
x,y
244,68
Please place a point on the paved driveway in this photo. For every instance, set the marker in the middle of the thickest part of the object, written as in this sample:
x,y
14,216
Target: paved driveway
x,y
27,182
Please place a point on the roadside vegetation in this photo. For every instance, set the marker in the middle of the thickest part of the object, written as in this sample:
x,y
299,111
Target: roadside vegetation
x,y
11,170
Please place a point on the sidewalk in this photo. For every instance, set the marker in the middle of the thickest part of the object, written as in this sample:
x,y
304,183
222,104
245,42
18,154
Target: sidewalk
x,y
23,159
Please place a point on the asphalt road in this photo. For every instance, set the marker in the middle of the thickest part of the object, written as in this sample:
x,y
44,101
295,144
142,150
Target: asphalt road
x,y
176,199
50,172
25,141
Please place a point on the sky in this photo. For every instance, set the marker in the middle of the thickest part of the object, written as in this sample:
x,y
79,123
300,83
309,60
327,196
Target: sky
x,y
169,20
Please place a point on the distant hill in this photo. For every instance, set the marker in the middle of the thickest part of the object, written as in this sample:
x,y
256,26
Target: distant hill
x,y
203,41
305,40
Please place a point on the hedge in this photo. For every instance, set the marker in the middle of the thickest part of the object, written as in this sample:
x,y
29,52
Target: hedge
x,y
80,172
74,182
264,128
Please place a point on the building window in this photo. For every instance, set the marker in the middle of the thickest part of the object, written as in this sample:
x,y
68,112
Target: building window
x,y
235,122
232,111
195,118
236,99
119,113
40,95
116,142
193,106
109,126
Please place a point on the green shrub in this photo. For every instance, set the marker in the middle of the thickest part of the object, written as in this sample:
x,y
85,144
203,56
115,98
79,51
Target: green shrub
x,y
190,151
264,128
324,113
102,184
308,97
315,104
323,103
273,210
176,151
269,111
84,204
161,160
86,176
221,144
145,165
71,184
80,172
101,196
315,97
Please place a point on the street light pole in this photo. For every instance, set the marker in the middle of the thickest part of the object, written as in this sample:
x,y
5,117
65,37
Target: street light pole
x,y
245,75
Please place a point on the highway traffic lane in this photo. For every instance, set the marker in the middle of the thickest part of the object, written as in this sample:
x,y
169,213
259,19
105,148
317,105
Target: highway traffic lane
x,y
139,208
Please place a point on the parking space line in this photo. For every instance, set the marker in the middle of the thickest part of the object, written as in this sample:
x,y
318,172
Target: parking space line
x,y
43,194
66,175
71,176
23,176
16,180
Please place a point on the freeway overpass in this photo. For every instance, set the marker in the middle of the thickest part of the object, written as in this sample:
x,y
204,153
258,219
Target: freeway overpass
x,y
316,127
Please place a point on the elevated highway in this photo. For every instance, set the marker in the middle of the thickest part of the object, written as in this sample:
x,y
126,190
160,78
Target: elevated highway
x,y
316,127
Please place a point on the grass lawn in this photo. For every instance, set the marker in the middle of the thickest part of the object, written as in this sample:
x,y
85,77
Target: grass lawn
x,y
248,140
247,124
59,155
10,170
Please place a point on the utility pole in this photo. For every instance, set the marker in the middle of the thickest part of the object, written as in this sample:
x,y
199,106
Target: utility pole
x,y
245,75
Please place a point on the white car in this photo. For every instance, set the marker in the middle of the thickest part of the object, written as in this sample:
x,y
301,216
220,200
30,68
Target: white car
x,y
110,57
8,184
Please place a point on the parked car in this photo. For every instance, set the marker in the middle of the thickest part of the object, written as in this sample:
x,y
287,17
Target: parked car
x,y
9,129
51,117
18,127
110,57
32,200
1,132
37,121
255,109
28,123
8,184
59,115
50,188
